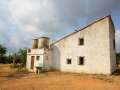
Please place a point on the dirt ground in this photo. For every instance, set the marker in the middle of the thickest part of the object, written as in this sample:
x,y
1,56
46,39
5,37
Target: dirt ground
x,y
57,81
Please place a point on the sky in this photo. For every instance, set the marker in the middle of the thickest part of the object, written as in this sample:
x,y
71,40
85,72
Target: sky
x,y
23,20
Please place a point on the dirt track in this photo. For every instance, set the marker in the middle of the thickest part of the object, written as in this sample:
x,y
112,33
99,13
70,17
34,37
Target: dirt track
x,y
60,81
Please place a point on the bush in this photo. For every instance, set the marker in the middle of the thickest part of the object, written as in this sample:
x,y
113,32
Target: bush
x,y
118,58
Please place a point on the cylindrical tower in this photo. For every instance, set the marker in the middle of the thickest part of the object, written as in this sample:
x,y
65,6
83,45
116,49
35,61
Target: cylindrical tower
x,y
43,42
34,43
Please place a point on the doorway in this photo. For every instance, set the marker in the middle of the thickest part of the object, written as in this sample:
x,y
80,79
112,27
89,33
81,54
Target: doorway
x,y
32,62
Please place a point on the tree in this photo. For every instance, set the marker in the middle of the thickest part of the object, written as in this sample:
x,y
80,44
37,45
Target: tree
x,y
118,58
2,54
21,56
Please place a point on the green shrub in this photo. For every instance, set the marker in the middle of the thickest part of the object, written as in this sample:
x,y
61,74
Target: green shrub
x,y
118,58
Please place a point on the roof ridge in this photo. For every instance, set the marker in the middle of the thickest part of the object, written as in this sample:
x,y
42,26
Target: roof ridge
x,y
80,29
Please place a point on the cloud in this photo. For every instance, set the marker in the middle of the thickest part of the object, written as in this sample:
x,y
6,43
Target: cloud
x,y
22,20
34,13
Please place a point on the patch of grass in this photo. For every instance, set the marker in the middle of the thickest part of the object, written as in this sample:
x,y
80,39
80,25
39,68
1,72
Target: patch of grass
x,y
10,72
41,74
11,75
22,70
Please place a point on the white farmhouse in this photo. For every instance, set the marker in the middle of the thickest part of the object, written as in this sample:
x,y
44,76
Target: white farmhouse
x,y
88,50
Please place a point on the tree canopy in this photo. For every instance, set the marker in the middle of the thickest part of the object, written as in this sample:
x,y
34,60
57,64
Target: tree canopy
x,y
3,51
118,58
21,56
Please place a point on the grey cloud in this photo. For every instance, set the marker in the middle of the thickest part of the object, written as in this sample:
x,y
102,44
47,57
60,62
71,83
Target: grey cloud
x,y
34,18
73,9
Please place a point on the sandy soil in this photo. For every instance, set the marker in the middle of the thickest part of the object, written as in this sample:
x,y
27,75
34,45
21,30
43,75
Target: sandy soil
x,y
59,81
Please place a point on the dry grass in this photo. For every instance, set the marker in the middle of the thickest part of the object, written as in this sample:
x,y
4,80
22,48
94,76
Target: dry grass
x,y
58,81
6,70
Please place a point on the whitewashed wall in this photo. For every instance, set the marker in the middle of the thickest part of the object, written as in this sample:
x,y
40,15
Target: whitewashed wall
x,y
34,52
96,50
112,49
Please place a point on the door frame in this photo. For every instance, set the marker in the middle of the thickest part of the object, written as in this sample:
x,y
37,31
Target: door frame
x,y
32,62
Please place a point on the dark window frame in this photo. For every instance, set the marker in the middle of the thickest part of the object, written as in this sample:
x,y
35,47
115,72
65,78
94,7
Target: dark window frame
x,y
29,50
114,47
81,41
81,60
37,58
69,61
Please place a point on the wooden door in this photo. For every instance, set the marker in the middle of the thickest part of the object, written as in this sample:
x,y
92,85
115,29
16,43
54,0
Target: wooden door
x,y
32,62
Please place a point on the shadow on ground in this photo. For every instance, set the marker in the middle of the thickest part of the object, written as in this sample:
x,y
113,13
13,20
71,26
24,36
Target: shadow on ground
x,y
117,72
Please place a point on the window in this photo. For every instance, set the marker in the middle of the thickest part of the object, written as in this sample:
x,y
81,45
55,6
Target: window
x,y
113,44
81,61
81,41
38,57
29,50
69,61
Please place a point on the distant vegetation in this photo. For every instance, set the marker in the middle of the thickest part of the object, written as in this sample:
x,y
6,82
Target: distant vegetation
x,y
18,57
118,58
3,51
